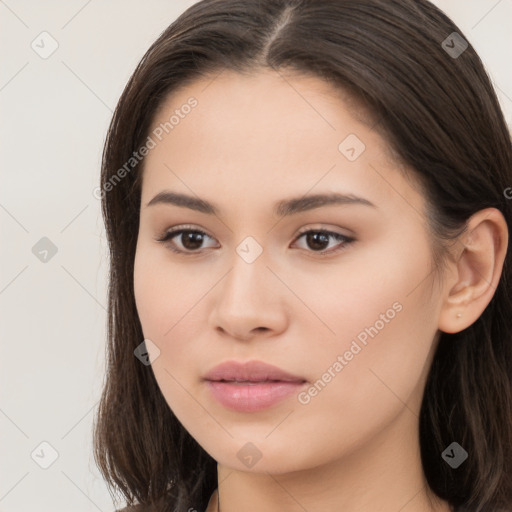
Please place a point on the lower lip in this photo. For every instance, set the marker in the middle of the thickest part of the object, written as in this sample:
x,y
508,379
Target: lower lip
x,y
252,397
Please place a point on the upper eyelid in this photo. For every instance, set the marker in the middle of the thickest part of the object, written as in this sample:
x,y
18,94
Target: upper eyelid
x,y
178,229
186,227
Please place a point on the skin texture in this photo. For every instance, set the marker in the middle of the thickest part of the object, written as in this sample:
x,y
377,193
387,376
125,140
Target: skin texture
x,y
252,141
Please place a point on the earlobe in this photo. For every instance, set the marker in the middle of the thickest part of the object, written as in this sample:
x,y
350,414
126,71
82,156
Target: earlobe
x,y
477,270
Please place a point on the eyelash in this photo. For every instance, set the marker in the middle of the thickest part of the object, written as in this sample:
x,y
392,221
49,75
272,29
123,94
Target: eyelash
x,y
169,235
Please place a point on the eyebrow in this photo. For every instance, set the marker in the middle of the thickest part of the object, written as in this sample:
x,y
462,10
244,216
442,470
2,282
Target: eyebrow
x,y
282,208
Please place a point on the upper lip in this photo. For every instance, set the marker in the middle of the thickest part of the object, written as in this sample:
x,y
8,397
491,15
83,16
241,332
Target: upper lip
x,y
252,371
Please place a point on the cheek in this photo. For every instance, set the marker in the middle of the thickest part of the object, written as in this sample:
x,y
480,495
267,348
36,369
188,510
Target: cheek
x,y
164,292
384,322
170,305
165,297
149,293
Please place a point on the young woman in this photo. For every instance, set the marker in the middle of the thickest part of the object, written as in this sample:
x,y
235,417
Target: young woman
x,y
307,204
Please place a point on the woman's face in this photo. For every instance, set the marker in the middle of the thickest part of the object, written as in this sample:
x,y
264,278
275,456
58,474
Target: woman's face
x,y
349,308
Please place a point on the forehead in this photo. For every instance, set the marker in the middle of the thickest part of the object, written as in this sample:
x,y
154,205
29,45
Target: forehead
x,y
267,132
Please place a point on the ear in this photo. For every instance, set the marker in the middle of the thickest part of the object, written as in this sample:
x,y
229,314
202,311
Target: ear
x,y
476,270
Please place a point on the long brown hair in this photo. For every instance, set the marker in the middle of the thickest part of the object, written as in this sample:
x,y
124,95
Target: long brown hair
x,y
434,104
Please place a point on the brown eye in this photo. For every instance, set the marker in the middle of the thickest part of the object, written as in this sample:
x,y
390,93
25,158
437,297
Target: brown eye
x,y
318,240
191,240
184,240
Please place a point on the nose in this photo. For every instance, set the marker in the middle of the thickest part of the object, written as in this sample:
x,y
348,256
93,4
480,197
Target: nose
x,y
249,300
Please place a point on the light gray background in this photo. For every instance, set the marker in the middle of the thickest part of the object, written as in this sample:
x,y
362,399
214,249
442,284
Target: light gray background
x,y
54,117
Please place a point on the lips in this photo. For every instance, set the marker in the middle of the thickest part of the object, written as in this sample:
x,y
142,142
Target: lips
x,y
251,371
252,386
